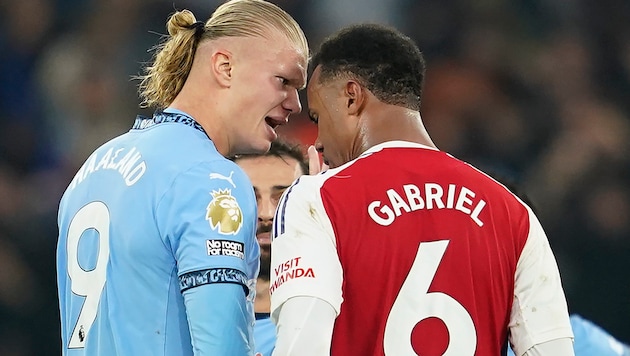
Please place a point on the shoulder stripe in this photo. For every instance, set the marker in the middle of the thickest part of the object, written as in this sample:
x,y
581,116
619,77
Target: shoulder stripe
x,y
278,220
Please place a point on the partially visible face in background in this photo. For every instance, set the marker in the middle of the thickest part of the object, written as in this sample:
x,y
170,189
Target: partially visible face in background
x,y
270,176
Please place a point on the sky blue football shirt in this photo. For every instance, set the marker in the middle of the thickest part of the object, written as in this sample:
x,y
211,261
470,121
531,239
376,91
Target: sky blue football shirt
x,y
592,340
264,336
157,252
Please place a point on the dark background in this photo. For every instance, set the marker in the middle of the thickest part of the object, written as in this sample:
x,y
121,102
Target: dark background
x,y
535,91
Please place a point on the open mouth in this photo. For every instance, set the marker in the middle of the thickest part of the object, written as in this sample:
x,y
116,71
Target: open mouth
x,y
275,122
264,238
272,122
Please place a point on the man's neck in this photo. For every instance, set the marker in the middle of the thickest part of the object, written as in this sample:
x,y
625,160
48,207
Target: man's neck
x,y
395,123
262,303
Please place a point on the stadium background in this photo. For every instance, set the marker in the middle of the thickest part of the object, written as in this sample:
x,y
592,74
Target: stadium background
x,y
536,91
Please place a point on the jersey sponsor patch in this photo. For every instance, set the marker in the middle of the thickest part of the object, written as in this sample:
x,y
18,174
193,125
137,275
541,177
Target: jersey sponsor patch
x,y
211,276
224,213
288,270
225,248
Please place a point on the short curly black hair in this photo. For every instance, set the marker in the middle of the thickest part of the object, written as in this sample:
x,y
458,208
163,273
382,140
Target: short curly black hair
x,y
380,58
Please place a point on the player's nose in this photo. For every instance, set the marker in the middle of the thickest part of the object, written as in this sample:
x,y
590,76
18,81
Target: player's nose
x,y
292,102
266,209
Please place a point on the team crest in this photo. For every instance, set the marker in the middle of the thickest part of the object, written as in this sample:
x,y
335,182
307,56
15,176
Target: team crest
x,y
223,213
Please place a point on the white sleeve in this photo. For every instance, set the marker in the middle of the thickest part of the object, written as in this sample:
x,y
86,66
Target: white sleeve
x,y
304,328
304,260
558,347
539,310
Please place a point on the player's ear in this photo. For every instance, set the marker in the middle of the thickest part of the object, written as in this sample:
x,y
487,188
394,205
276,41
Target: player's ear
x,y
221,64
355,97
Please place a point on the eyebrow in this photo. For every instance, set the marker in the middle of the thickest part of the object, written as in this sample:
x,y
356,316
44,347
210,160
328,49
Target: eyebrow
x,y
294,76
275,187
280,187
296,83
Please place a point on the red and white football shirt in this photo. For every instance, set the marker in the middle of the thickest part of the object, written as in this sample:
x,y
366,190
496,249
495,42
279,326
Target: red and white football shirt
x,y
419,253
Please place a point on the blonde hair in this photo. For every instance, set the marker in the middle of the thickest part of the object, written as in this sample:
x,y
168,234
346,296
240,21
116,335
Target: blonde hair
x,y
164,79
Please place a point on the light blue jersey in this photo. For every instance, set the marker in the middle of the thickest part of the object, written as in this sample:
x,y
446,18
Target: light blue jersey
x,y
264,336
157,252
591,340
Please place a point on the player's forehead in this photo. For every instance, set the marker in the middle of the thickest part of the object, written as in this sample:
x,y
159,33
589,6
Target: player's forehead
x,y
313,82
276,51
293,62
322,91
319,83
270,166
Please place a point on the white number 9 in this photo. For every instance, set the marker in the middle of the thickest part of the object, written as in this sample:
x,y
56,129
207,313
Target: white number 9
x,y
414,304
87,283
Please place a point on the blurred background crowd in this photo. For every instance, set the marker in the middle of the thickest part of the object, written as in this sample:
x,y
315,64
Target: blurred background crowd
x,y
536,92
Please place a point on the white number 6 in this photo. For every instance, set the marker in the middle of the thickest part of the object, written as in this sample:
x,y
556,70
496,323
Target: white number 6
x,y
86,283
414,304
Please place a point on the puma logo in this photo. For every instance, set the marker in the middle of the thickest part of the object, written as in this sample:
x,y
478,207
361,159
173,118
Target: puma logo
x,y
221,176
